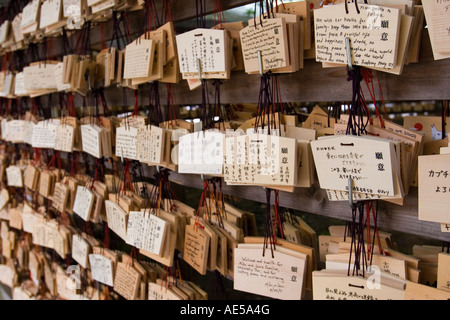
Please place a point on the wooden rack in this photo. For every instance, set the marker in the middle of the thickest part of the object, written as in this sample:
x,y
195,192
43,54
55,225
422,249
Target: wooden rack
x,y
423,81
426,80
313,200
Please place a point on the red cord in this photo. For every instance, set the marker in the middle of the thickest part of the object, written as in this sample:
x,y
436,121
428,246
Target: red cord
x,y
136,103
381,93
368,79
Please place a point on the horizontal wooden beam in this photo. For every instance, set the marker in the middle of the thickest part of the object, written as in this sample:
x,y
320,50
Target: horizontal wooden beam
x,y
313,200
423,81
186,9
426,80
315,84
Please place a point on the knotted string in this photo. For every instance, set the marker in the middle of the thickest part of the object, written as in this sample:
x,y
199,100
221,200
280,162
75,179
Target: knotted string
x,y
265,102
334,112
269,8
138,174
219,17
167,11
126,181
368,79
83,45
136,103
161,193
376,234
211,197
152,21
200,7
357,247
381,95
155,114
106,238
172,110
67,46
207,121
218,114
261,12
167,191
278,217
121,34
356,125
277,104
202,204
269,239
216,197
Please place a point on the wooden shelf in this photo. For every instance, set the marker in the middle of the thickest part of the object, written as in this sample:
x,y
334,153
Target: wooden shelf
x,y
313,200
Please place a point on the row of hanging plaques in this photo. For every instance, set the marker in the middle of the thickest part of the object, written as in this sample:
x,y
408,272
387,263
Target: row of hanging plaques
x,y
224,151
382,165
373,164
229,246
383,36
